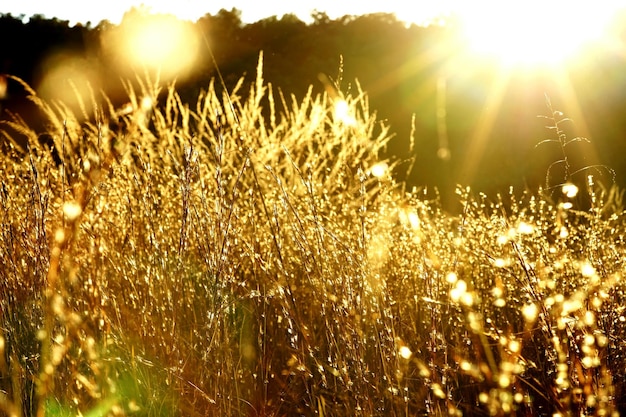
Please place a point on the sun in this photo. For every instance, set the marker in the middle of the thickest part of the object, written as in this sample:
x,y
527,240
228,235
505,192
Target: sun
x,y
149,41
537,44
533,32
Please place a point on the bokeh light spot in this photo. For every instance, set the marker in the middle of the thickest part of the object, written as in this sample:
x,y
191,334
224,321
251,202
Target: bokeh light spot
x,y
160,43
343,113
70,79
380,169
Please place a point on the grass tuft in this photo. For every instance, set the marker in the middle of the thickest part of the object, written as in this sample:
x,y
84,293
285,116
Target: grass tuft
x,y
250,254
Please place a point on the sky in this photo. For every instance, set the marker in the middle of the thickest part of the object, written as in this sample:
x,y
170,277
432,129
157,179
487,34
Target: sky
x,y
81,11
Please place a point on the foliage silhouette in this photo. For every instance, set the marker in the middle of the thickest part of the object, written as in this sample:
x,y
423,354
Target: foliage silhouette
x,y
398,65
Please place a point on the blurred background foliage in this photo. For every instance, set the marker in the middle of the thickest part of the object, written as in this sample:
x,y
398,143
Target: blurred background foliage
x,y
491,120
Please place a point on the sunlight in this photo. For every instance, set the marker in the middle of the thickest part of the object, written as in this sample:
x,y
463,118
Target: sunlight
x,y
533,33
343,113
183,9
379,170
522,41
484,126
156,41
70,79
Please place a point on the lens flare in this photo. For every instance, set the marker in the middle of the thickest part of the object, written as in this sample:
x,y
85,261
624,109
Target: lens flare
x,y
71,79
161,43
534,32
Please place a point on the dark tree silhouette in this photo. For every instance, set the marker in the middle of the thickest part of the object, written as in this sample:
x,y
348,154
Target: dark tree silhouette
x,y
399,66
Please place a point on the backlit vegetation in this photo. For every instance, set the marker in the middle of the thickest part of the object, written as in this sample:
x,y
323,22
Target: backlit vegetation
x,y
253,257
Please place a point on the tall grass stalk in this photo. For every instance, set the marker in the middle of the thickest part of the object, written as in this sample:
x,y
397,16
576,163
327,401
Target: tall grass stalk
x,y
250,254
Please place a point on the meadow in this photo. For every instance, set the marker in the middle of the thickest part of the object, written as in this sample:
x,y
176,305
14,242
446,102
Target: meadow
x,y
250,254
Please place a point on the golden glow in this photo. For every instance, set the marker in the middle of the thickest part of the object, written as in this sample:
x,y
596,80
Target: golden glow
x,y
478,139
533,32
451,278
160,43
530,312
405,352
380,169
153,41
343,113
3,86
570,190
72,210
70,79
146,104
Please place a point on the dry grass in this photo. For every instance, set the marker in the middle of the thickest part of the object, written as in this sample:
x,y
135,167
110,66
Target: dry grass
x,y
239,257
